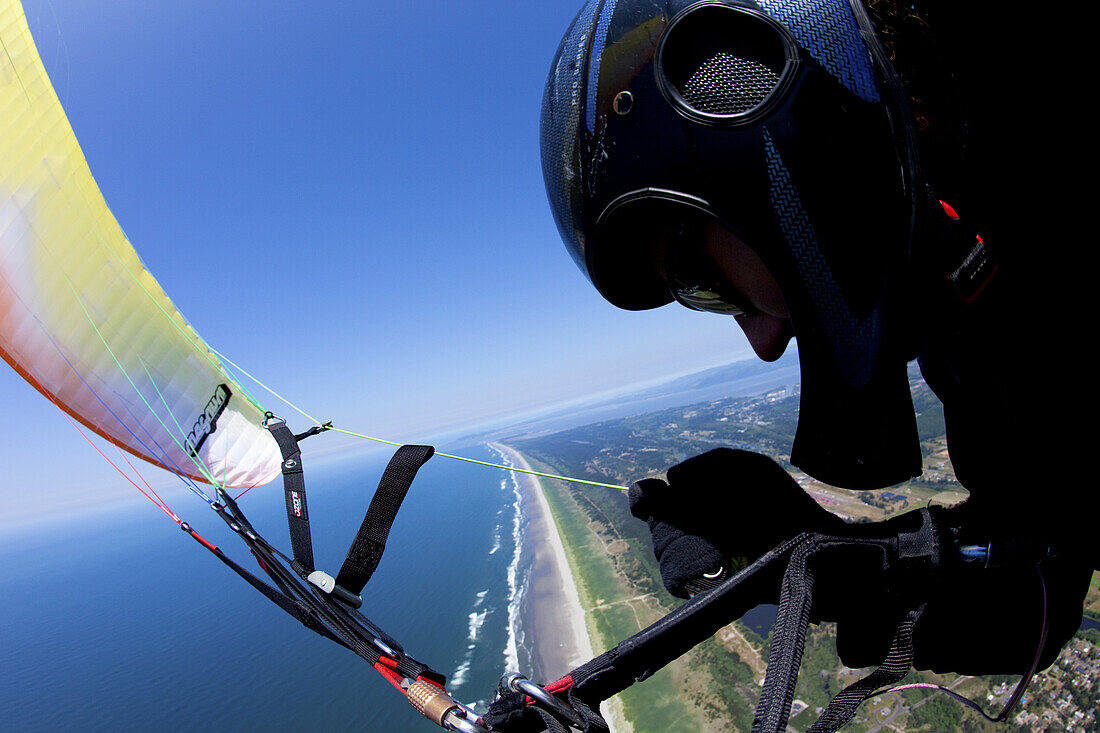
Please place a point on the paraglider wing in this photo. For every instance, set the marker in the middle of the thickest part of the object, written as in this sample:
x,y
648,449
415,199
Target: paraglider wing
x,y
82,319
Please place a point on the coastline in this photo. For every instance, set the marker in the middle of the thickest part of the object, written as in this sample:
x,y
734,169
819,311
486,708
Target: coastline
x,y
560,638
554,612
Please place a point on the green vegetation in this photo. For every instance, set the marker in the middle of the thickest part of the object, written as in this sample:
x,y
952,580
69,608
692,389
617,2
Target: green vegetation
x,y
1092,600
938,713
716,686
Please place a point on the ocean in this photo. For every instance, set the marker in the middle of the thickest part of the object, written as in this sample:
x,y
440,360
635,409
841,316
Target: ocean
x,y
116,620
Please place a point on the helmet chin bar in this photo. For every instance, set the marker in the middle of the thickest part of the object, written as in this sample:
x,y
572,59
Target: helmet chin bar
x,y
856,423
858,437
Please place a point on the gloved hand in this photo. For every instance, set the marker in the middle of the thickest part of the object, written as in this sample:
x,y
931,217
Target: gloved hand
x,y
720,511
728,507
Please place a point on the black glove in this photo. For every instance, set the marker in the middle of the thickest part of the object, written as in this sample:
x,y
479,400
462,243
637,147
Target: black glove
x,y
720,511
727,507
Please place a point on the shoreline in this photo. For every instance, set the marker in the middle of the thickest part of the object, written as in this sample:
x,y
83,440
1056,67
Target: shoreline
x,y
554,613
556,619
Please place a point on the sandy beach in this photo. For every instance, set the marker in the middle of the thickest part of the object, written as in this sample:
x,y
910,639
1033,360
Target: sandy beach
x,y
555,615
556,619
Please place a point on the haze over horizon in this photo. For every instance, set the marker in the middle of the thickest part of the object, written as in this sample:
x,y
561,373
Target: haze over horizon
x,y
739,378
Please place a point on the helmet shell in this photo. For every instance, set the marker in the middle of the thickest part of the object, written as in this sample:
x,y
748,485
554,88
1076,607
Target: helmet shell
x,y
783,121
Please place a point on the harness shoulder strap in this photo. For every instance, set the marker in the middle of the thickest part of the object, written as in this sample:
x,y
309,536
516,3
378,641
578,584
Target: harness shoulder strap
x,y
370,541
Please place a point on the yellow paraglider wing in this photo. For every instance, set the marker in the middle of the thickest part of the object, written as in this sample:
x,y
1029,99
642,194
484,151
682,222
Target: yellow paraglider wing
x,y
81,318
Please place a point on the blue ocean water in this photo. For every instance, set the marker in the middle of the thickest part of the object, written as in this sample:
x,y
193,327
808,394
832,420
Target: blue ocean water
x,y
118,621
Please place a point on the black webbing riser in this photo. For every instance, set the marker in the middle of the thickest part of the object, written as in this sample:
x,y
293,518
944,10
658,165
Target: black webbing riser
x,y
294,488
370,541
788,641
314,608
314,611
280,597
668,638
899,660
293,591
700,618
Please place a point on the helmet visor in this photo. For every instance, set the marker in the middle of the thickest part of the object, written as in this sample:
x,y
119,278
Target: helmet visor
x,y
708,298
705,295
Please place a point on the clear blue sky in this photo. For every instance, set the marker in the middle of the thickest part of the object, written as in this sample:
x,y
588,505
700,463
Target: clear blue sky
x,y
345,198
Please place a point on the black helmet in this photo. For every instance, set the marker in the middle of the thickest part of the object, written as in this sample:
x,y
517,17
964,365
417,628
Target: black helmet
x,y
783,121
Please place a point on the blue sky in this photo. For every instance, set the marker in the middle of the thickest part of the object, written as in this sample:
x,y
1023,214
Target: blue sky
x,y
346,200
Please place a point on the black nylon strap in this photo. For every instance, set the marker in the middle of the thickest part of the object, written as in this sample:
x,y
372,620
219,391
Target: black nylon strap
x,y
510,712
294,486
789,639
552,724
636,658
650,649
896,665
305,615
666,639
370,541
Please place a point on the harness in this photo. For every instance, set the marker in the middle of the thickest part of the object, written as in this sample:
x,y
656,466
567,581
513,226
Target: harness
x,y
910,559
329,606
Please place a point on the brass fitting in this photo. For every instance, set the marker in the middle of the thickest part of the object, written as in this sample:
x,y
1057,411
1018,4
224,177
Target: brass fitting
x,y
431,701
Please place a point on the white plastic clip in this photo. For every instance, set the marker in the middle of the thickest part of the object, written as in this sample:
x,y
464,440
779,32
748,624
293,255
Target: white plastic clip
x,y
322,580
327,583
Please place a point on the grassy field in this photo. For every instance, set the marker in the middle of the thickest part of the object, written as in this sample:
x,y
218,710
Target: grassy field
x,y
1092,600
681,697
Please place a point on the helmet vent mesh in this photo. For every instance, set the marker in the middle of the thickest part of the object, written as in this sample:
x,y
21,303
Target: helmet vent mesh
x,y
727,84
723,61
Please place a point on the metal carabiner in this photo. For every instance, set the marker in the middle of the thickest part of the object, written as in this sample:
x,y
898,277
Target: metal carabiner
x,y
518,683
456,720
437,705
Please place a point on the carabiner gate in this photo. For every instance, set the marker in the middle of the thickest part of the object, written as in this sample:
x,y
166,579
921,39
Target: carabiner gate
x,y
560,709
